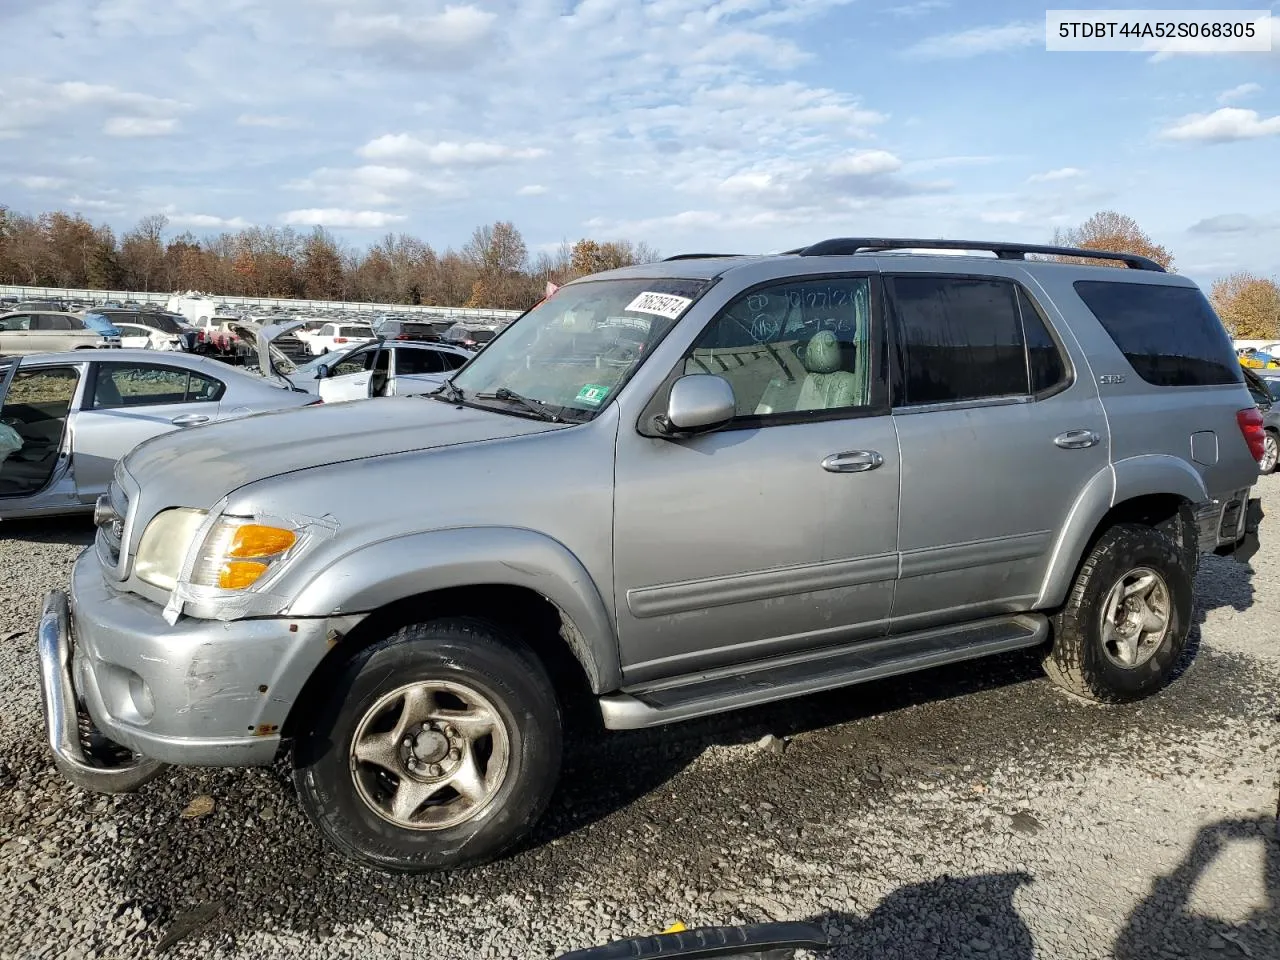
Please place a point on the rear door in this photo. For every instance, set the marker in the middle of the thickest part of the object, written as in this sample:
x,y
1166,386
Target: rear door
x,y
416,371
15,335
133,337
127,403
1000,428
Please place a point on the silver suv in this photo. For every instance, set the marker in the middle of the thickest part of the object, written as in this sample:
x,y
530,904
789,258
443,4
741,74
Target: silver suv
x,y
44,331
691,486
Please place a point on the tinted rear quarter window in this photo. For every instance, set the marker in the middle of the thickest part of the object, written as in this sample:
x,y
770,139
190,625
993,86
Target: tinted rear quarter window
x,y
1170,335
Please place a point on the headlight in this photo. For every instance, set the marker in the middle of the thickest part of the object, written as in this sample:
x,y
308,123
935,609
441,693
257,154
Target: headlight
x,y
238,551
164,546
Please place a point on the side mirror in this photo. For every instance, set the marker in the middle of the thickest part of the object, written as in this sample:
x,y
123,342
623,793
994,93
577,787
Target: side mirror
x,y
322,371
698,403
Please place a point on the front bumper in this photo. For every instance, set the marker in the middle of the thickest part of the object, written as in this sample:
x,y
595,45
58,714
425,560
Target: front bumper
x,y
199,692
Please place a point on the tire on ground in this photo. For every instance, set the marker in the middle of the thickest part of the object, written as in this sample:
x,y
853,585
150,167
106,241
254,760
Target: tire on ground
x,y
469,652
1077,660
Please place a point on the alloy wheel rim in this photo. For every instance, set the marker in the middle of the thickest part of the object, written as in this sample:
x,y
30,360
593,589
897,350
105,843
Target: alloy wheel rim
x,y
1270,452
430,755
1136,617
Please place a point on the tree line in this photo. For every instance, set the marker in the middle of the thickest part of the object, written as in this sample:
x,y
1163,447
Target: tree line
x,y
492,269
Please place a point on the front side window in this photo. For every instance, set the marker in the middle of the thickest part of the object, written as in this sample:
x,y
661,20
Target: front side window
x,y
1170,335
800,346
135,385
574,351
357,362
16,323
958,338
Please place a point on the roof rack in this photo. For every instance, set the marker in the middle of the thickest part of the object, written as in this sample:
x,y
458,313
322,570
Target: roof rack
x,y
700,256
842,246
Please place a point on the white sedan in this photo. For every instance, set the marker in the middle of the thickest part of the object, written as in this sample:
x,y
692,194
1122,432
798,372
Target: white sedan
x,y
139,336
338,336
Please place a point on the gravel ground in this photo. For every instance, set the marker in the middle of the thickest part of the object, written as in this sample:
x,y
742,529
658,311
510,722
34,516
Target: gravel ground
x,y
973,811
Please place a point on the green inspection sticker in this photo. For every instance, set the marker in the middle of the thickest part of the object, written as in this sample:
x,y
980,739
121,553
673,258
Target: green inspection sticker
x,y
592,394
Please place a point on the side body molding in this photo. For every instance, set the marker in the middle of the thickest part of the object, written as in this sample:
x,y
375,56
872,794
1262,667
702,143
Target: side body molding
x,y
383,572
1123,480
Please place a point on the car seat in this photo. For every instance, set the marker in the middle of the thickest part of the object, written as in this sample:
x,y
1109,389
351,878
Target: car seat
x,y
826,386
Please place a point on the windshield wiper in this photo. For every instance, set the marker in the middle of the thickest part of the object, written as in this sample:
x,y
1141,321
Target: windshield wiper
x,y
448,391
536,407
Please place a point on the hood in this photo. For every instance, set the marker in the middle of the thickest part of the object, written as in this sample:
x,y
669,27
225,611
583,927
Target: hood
x,y
199,466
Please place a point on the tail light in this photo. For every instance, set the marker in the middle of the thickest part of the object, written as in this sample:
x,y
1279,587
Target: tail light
x,y
339,339
403,336
1250,421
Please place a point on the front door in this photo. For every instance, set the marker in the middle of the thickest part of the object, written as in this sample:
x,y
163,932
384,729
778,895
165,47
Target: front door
x,y
16,336
352,377
130,403
998,437
779,532
35,405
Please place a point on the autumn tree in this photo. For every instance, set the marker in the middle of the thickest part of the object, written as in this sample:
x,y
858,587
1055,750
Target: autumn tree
x,y
1248,305
321,267
1108,230
499,254
142,252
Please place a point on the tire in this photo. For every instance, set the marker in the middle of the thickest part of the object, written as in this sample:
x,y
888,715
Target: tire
x,y
1081,659
350,800
1271,453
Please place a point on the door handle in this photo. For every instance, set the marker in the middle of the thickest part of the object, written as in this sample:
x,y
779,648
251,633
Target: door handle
x,y
189,420
1076,439
853,461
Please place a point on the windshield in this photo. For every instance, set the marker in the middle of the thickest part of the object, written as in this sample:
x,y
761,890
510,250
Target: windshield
x,y
331,359
576,349
100,324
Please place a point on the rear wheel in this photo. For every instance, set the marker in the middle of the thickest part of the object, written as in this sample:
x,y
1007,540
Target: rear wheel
x,y
440,748
1124,626
1270,453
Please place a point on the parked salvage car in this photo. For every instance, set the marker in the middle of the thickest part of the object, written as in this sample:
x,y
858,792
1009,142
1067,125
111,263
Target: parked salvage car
x,y
170,328
469,335
690,487
335,336
1264,391
407,329
23,332
390,368
65,419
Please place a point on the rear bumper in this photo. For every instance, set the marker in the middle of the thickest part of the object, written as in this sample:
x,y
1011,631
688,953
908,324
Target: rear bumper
x,y
1247,544
1223,523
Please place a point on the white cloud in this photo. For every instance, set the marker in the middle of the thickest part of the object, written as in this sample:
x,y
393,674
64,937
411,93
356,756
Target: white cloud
x,y
373,185
531,190
338,218
920,8
1234,223
1239,93
76,93
978,41
139,127
263,120
203,220
1062,173
39,182
434,41
1223,125
865,163
1002,216
77,202
405,148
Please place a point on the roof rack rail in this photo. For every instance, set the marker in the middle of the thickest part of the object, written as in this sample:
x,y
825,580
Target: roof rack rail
x,y
700,256
842,246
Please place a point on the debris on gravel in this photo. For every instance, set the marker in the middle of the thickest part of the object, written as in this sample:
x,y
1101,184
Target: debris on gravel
x,y
971,811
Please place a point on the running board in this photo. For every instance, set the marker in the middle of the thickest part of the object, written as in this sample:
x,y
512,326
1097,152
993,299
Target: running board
x,y
697,695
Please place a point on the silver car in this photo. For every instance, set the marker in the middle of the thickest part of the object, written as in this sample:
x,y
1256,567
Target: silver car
x,y
42,331
65,419
686,487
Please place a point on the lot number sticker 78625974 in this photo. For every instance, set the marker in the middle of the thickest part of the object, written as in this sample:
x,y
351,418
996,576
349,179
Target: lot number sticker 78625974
x,y
663,304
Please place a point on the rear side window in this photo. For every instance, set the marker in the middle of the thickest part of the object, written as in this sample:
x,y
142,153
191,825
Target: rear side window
x,y
958,339
1044,357
1170,335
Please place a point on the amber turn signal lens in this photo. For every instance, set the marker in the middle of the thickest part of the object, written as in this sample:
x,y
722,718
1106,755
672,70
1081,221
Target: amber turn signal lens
x,y
238,574
255,540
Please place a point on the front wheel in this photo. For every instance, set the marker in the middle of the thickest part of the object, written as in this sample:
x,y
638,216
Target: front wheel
x,y
439,748
1123,629
1270,453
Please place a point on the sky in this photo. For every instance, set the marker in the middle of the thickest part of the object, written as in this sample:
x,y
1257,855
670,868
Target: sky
x,y
727,126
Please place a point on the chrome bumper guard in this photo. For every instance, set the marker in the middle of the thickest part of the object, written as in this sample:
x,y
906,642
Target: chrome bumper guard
x,y
61,715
